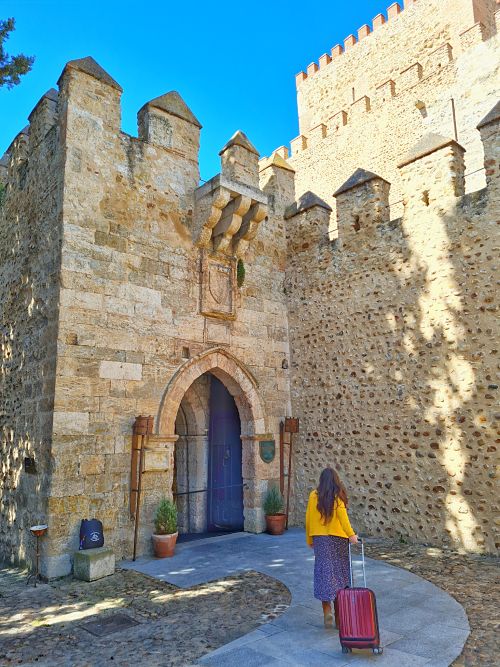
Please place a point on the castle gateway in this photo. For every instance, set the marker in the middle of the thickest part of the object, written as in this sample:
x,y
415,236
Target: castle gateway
x,y
351,285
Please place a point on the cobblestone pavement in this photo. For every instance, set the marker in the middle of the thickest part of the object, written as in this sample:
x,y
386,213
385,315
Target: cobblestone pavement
x,y
43,626
420,623
472,580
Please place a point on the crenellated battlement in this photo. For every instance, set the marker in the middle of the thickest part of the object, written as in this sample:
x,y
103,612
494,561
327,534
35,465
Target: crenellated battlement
x,y
469,28
87,103
158,168
430,67
380,95
391,324
351,40
398,51
362,202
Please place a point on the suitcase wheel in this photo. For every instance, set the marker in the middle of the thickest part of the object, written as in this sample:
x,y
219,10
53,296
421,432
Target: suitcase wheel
x,y
346,649
378,650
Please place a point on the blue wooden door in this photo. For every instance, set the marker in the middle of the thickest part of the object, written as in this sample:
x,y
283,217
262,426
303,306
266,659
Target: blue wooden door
x,y
225,482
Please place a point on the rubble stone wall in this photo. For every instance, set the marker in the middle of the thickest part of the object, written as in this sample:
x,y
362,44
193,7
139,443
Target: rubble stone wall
x,y
394,357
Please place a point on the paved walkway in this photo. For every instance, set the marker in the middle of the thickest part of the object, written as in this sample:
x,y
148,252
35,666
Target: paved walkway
x,y
420,623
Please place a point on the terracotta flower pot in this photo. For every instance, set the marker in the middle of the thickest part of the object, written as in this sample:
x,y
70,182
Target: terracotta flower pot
x,y
164,545
275,523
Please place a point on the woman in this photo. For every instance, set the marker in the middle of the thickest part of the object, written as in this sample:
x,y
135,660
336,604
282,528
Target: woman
x,y
328,531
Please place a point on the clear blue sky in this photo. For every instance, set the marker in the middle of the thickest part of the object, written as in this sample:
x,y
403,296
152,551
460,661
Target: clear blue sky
x,y
234,63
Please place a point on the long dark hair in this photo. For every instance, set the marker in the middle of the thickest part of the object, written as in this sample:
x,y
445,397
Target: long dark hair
x,y
329,489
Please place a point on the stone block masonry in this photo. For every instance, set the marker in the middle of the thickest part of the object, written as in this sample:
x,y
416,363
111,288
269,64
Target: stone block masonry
x,y
116,370
30,258
93,564
121,288
431,52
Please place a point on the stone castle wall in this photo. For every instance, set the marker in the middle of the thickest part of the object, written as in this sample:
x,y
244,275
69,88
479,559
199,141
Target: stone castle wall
x,y
30,243
394,357
366,103
119,292
129,313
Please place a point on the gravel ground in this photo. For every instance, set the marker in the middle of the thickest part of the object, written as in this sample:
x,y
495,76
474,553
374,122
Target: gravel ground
x,y
470,579
43,626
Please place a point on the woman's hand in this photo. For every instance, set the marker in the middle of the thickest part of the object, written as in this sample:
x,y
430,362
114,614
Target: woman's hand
x,y
353,539
311,546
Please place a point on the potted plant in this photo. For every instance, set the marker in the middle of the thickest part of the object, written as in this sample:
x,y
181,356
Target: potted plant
x,y
165,535
273,509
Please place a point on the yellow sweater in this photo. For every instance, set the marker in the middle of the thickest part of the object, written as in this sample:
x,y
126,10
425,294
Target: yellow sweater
x,y
338,525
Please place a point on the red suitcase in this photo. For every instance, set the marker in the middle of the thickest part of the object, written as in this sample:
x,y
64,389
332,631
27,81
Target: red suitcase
x,y
356,614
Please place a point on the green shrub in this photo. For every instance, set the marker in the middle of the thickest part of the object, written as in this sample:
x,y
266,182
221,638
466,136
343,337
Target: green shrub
x,y
273,502
166,518
240,273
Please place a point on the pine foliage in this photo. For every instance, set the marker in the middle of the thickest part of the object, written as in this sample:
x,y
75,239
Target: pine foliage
x,y
12,68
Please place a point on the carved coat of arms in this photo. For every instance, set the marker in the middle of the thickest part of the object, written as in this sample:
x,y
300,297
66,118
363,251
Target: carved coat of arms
x,y
217,287
219,283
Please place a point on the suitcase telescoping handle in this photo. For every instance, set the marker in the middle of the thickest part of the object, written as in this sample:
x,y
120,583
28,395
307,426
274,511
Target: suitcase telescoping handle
x,y
351,574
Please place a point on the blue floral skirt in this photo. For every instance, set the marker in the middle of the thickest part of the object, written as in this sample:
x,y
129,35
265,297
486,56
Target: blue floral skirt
x,y
331,566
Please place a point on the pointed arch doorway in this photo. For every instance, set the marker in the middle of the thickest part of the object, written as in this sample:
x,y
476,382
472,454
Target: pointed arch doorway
x,y
213,411
208,479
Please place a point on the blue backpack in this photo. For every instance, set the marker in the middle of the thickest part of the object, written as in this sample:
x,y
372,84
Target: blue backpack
x,y
91,534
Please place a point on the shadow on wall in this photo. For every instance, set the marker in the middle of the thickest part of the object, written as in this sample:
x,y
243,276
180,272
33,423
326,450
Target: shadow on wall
x,y
394,369
29,257
447,337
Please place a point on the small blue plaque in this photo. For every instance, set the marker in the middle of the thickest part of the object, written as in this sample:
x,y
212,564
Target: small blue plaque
x,y
267,450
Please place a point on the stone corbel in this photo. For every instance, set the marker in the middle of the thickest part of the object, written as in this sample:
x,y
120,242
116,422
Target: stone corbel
x,y
249,228
208,212
230,222
227,215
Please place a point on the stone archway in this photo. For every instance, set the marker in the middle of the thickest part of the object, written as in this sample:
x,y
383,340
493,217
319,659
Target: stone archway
x,y
191,457
239,381
243,387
